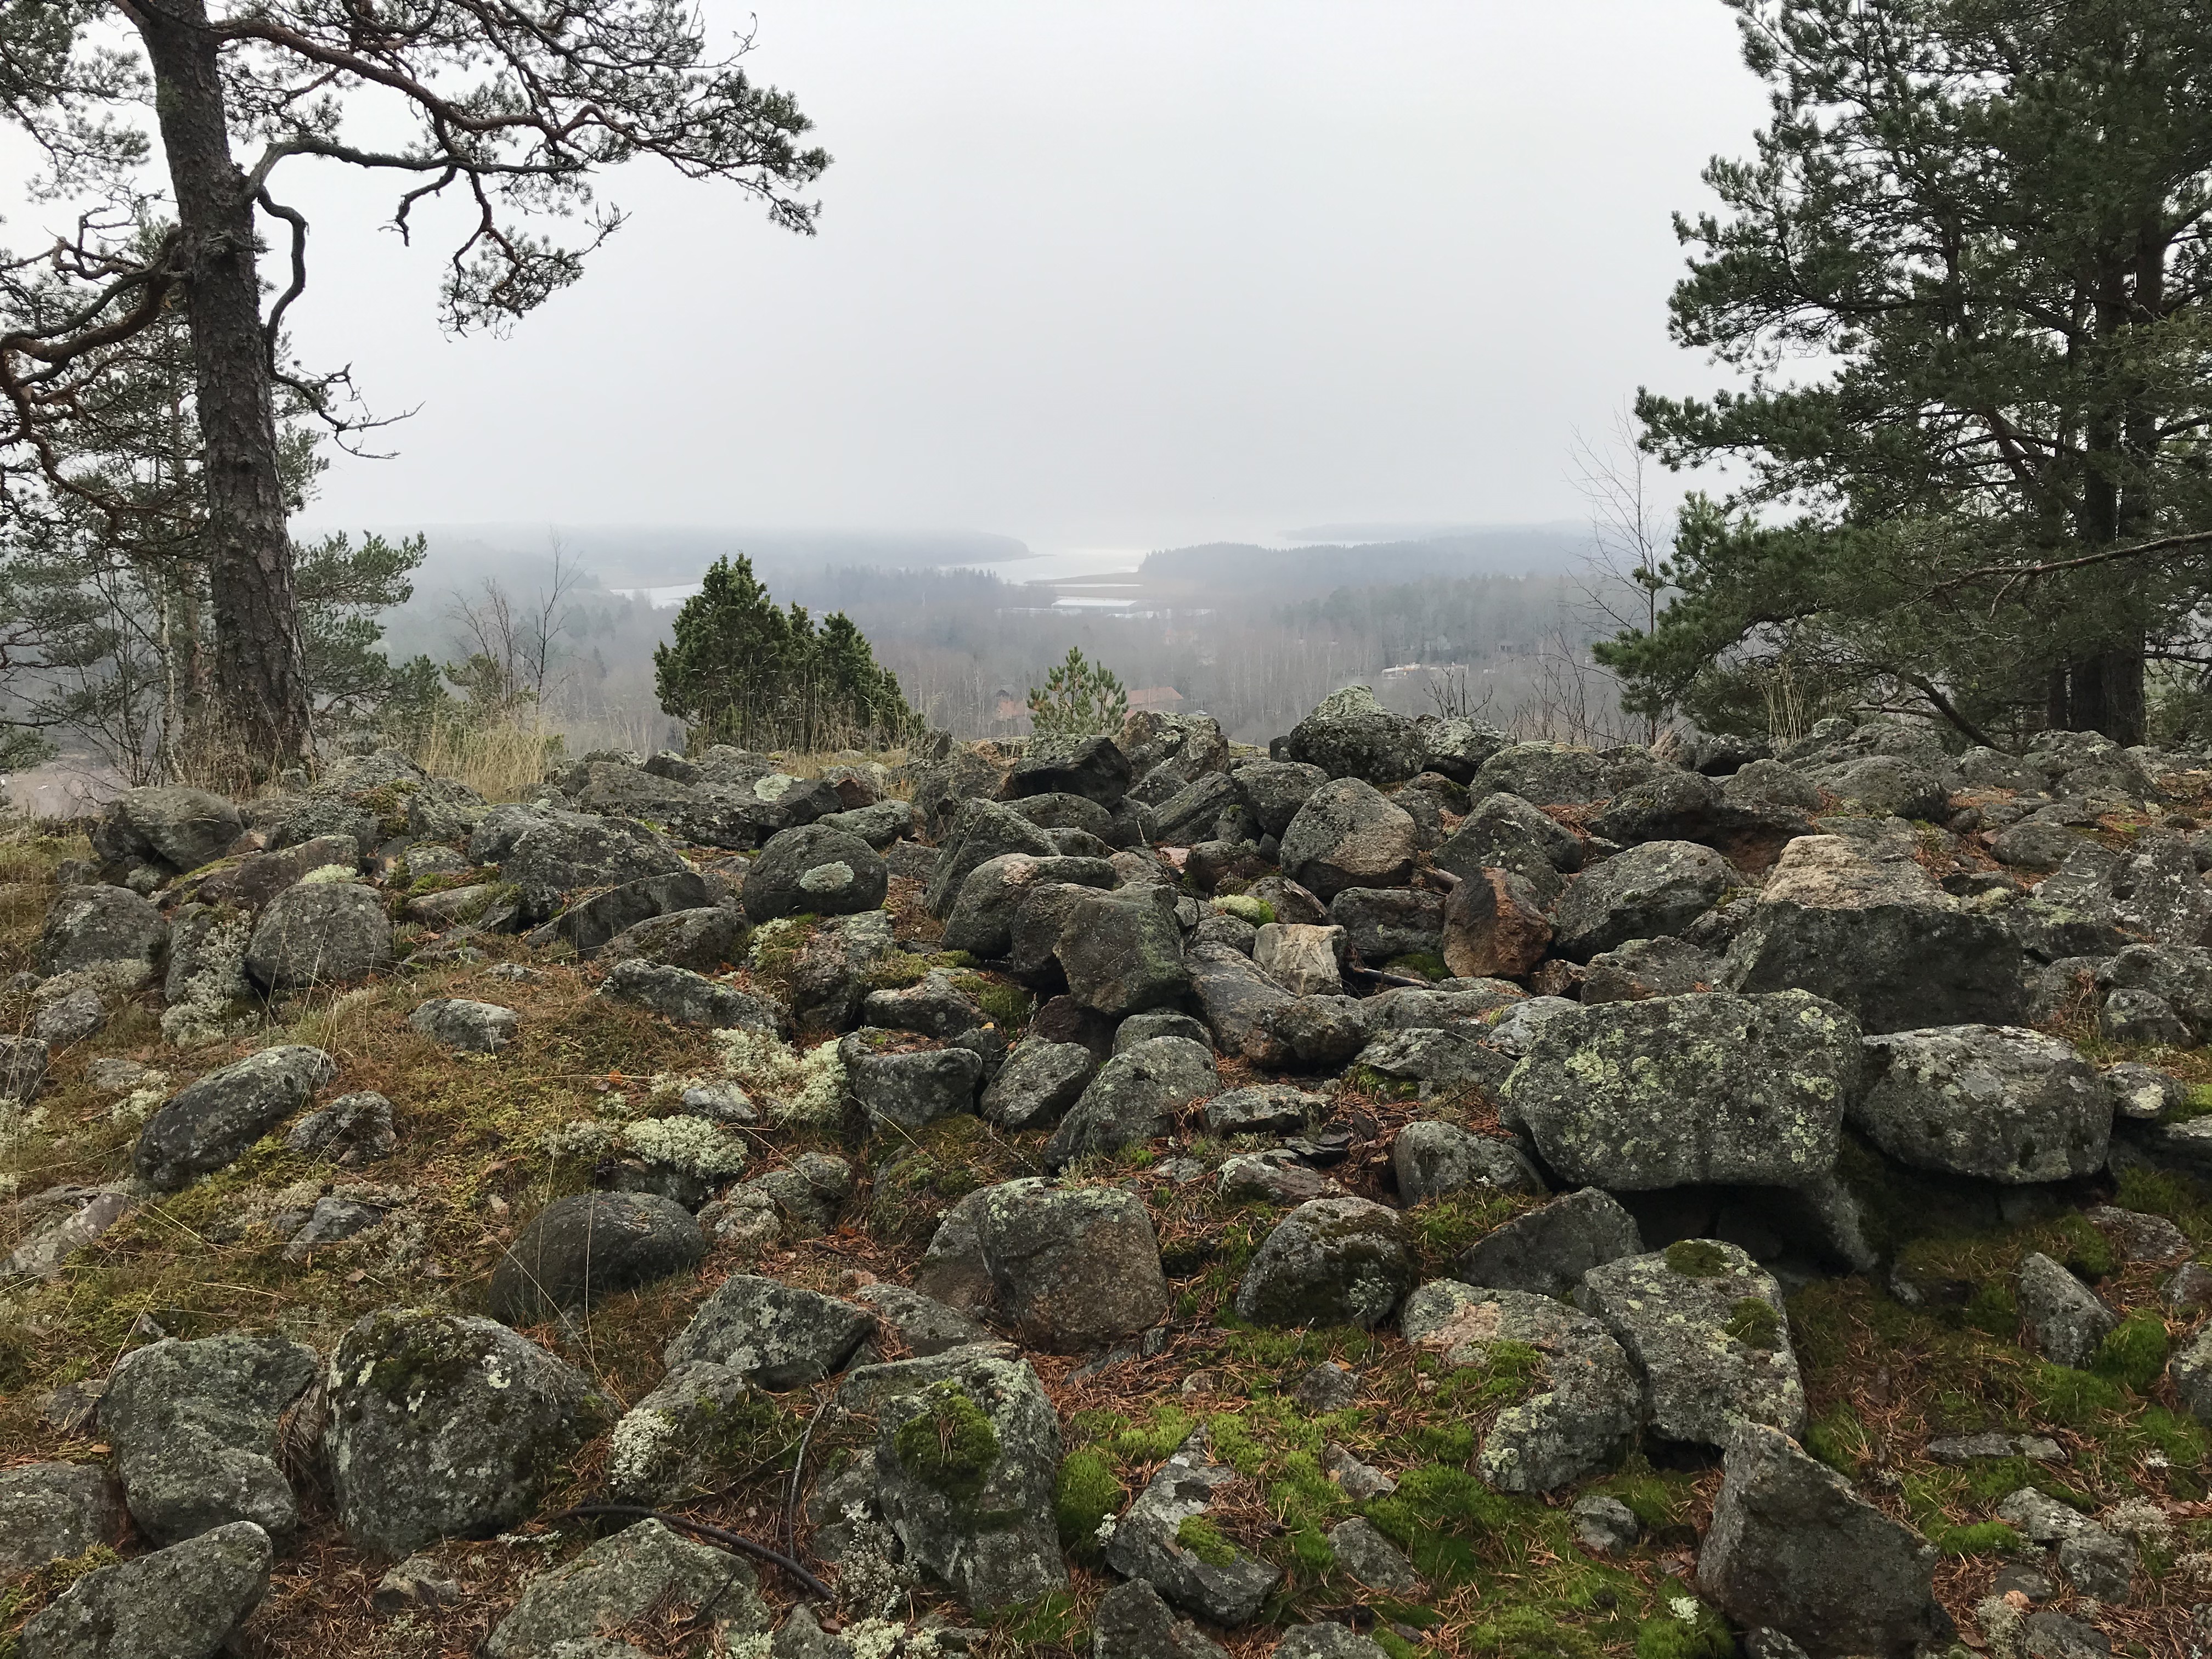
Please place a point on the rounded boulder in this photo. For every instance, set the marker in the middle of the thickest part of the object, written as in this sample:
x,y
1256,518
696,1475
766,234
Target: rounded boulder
x,y
813,871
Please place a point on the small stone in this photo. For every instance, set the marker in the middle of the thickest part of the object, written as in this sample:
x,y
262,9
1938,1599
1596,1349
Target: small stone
x,y
1326,1387
475,1028
1357,1480
1363,1551
1606,1526
2068,1319
417,1583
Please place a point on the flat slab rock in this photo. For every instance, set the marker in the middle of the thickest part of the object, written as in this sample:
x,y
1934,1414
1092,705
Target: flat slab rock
x,y
648,1568
773,1335
177,1603
1228,1591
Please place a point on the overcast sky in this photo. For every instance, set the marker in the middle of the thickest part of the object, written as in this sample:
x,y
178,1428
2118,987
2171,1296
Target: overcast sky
x,y
1096,275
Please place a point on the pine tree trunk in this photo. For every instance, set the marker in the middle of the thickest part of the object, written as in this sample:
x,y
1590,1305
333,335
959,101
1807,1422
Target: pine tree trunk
x,y
260,664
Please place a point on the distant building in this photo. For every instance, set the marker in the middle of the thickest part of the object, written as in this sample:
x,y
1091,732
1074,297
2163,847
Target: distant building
x,y
1163,699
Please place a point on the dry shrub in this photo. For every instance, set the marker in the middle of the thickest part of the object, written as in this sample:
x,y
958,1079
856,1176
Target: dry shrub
x,y
500,759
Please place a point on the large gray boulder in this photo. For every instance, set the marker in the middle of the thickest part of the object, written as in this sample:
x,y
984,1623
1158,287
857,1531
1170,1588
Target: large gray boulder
x,y
1274,790
55,1512
2151,890
1348,834
1122,954
1073,1268
1455,747
1038,1084
194,1428
1252,1016
1680,805
553,852
905,1089
1194,812
1384,922
689,999
1330,1261
317,933
1886,786
1704,1323
210,1123
814,872
580,1249
182,1602
1135,1098
1505,832
591,923
1684,1090
1547,1251
982,830
473,1028
775,1335
1860,922
1547,774
1092,767
704,938
1133,1622
1658,887
1351,735
1433,1159
1224,1585
648,1570
447,1424
965,1470
669,1445
171,828
1793,1549
1578,1412
1999,1102
981,920
94,926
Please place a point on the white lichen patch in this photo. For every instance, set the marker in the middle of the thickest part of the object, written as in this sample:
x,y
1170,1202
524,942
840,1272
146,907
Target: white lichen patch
x,y
689,1143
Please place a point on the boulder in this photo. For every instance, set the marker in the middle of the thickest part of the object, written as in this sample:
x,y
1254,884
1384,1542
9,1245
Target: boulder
x,y
704,938
1132,1622
689,999
1149,1542
1092,767
1546,775
1678,805
2068,1320
1274,790
1264,1109
1769,782
1684,1090
982,830
475,1028
1494,926
645,1570
905,1090
1300,957
1330,1261
919,1325
592,924
981,920
1073,1268
1143,1028
1860,923
1122,954
1505,832
829,976
194,1428
1705,1324
554,853
1658,887
182,1602
814,872
880,824
1793,1549
965,1471
93,926
447,1424
1327,1641
1547,1251
1348,834
317,933
1135,1098
1351,735
171,827
1886,786
1578,1412
2191,1371
1168,750
774,1335
23,1063
1997,1102
933,1006
669,1445
2152,891
1456,746
1194,812
1645,967
1382,923
1038,1084
1062,811
580,1249
1252,1016
55,1512
209,1124
1433,1159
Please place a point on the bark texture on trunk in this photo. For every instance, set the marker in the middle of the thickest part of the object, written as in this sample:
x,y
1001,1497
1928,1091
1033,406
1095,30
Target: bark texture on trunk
x,y
259,662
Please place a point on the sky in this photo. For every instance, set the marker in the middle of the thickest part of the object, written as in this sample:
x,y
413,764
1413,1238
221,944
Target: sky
x,y
1131,274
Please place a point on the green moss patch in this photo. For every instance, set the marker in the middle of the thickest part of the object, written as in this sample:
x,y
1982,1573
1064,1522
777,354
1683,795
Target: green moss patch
x,y
1697,1258
950,1445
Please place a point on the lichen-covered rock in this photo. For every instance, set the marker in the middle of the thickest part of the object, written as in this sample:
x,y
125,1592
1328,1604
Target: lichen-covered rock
x,y
320,933
1384,923
1351,735
354,1128
1122,954
1998,1103
1038,1084
1331,1262
1681,1090
1547,1250
920,1325
447,1424
171,827
1681,806
965,1471
1645,968
1264,1109
1888,786
23,1063
814,872
1455,747
1793,1549
1658,887
670,1446
1580,1402
55,1512
177,1603
579,1249
704,938
1704,1323
92,927
1348,834
2191,1370
1073,1268
2068,1319
1165,1539
1503,832
647,1569
982,830
594,921
1132,1622
1432,1159
209,996
1135,1098
475,1028
2151,890
1274,790
906,1089
1547,774
194,1428
1300,957
1251,1015
552,852
689,999
210,1123
981,920
775,1335
1092,767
